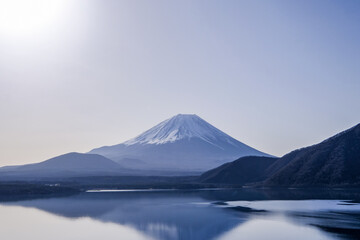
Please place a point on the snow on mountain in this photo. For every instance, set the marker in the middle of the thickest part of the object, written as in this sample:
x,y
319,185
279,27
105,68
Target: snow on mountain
x,y
182,143
181,126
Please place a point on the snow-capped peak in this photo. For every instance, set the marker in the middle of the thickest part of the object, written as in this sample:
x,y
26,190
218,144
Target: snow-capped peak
x,y
181,126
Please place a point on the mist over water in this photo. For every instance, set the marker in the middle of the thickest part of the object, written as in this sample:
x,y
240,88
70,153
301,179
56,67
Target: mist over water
x,y
215,214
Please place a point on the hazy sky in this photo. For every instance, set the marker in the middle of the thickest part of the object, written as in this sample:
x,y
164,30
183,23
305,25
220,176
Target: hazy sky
x,y
75,75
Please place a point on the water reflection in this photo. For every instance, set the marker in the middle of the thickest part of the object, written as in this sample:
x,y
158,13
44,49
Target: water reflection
x,y
24,223
184,215
274,228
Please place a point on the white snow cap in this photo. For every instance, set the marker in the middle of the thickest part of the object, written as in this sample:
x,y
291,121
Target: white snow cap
x,y
179,127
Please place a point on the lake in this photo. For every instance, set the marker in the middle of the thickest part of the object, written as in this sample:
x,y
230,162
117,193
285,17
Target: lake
x,y
221,214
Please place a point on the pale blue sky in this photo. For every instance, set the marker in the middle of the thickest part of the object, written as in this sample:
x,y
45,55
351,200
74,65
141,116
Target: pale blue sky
x,y
276,75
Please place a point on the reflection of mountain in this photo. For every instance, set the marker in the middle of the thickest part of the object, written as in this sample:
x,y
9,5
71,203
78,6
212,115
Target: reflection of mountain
x,y
160,215
183,214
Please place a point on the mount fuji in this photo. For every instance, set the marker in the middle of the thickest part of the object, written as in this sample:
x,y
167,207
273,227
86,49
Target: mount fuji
x,y
182,143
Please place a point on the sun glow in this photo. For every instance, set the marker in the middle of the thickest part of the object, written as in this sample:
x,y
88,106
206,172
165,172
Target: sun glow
x,y
29,17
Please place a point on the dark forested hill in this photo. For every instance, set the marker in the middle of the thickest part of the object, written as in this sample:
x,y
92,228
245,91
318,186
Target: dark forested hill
x,y
244,170
333,162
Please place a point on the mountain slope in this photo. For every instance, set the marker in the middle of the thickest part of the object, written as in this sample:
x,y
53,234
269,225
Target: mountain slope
x,y
335,161
181,143
244,170
70,164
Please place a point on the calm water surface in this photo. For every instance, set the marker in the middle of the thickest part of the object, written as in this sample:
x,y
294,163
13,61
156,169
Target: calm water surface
x,y
221,214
